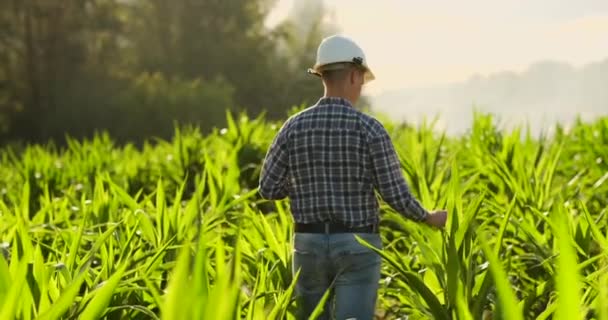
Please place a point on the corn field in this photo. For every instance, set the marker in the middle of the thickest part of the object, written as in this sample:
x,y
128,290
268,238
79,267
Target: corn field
x,y
176,229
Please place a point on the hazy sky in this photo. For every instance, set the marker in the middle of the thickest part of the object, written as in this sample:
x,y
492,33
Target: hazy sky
x,y
420,43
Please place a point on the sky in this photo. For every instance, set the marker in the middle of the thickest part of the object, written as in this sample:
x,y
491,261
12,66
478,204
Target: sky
x,y
412,44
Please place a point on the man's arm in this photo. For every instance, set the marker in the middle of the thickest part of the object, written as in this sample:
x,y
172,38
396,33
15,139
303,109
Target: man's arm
x,y
389,180
273,176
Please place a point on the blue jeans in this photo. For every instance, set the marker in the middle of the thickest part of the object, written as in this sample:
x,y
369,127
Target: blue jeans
x,y
339,262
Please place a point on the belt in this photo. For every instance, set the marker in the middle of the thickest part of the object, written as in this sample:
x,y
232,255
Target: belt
x,y
332,227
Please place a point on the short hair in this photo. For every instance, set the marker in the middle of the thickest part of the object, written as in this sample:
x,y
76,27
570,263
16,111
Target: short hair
x,y
337,72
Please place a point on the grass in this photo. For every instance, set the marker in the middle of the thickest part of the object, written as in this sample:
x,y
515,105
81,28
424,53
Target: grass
x,y
176,229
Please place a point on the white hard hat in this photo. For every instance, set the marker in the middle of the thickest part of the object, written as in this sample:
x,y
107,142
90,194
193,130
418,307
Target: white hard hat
x,y
335,52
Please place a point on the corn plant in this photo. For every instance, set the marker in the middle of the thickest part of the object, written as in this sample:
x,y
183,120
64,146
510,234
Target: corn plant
x,y
176,230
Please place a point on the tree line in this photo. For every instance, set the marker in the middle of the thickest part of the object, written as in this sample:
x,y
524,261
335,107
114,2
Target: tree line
x,y
135,68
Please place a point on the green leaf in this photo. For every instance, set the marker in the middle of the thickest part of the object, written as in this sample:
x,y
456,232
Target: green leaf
x,y
102,296
5,279
15,293
201,276
509,307
272,241
320,308
414,281
461,306
280,308
567,277
595,230
178,299
66,300
602,300
162,221
123,196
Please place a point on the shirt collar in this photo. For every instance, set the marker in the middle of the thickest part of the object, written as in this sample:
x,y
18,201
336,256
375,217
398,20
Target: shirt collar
x,y
334,101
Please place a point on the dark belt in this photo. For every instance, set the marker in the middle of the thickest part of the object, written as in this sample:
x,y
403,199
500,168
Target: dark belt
x,y
332,227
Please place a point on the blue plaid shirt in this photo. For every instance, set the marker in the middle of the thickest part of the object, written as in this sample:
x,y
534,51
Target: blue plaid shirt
x,y
329,160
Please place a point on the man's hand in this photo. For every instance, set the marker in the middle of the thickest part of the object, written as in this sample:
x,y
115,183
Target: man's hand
x,y
437,218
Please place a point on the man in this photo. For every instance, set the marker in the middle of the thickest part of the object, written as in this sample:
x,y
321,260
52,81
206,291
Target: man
x,y
329,160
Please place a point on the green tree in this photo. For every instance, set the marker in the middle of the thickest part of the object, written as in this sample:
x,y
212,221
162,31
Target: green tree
x,y
47,47
208,39
135,67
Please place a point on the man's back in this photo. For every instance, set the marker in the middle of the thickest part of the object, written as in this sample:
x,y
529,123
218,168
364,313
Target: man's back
x,y
331,171
329,159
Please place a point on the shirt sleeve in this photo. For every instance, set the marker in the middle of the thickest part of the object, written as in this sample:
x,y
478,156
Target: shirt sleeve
x,y
274,173
389,180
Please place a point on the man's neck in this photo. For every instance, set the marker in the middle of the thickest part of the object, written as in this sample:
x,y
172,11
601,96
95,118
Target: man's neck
x,y
337,94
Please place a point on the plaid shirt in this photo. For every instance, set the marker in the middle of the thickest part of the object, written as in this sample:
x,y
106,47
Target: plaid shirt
x,y
329,159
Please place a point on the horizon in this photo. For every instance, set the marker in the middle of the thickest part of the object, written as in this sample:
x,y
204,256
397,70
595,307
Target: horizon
x,y
480,39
